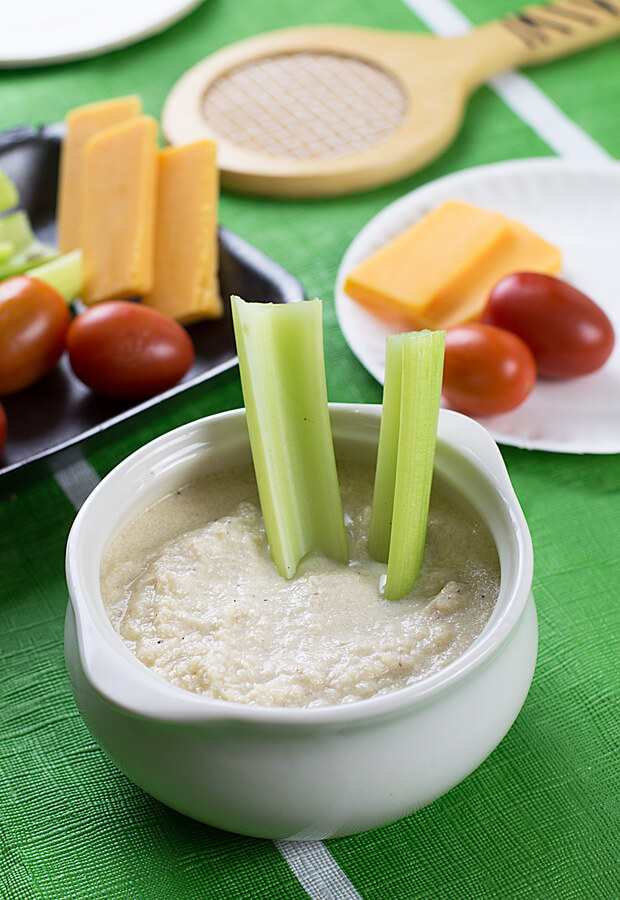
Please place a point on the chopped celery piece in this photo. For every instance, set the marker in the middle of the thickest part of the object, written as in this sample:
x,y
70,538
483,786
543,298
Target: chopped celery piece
x,y
16,228
413,375
64,273
8,192
7,249
28,250
280,349
21,262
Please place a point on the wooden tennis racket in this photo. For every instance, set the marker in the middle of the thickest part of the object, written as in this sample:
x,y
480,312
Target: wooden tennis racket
x,y
317,111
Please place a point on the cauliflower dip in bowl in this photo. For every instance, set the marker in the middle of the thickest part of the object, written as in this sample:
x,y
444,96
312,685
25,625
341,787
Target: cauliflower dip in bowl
x,y
190,587
353,752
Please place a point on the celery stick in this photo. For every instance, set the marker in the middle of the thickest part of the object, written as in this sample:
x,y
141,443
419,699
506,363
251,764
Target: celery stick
x,y
64,273
28,250
7,249
8,192
413,375
280,348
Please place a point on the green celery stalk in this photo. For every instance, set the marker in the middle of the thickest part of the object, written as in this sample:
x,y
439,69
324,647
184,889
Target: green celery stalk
x,y
8,192
280,348
64,273
28,250
413,376
7,249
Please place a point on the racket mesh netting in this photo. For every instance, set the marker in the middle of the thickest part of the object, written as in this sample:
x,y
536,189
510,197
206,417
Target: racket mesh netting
x,y
305,105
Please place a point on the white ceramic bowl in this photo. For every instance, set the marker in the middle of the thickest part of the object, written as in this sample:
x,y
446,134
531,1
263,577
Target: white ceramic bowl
x,y
300,773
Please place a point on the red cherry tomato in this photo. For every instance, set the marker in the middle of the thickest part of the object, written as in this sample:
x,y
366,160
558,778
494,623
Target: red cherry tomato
x,y
124,349
33,323
487,370
566,331
3,428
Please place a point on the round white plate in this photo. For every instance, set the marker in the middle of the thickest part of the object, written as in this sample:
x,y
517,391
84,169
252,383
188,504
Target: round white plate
x,y
575,206
40,32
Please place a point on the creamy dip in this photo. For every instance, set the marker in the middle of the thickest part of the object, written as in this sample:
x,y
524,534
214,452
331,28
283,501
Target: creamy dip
x,y
191,588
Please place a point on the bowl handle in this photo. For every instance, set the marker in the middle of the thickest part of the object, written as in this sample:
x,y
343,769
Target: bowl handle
x,y
122,681
474,441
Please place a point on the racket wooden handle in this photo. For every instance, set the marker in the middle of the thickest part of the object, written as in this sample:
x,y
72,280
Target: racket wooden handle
x,y
540,33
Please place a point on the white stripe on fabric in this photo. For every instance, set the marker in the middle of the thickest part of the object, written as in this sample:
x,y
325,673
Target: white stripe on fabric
x,y
317,871
77,479
311,862
517,91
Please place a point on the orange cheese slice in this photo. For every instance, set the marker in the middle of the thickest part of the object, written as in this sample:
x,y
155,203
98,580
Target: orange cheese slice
x,y
409,277
118,210
185,283
466,299
82,123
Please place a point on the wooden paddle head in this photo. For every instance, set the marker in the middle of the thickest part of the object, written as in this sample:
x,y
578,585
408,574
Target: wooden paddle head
x,y
326,110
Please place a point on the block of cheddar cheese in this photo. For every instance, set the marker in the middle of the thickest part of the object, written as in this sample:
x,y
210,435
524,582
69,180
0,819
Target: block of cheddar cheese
x,y
118,210
185,273
82,123
465,300
408,277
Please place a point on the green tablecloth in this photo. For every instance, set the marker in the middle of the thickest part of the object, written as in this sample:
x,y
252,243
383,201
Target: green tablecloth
x,y
540,817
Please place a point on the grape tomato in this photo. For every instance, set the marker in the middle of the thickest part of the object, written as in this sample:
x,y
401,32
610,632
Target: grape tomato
x,y
566,331
33,325
487,370
126,350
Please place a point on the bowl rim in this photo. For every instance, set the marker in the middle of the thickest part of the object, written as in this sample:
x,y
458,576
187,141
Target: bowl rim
x,y
123,681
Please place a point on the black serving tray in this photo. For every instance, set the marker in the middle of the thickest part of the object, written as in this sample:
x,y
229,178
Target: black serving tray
x,y
59,411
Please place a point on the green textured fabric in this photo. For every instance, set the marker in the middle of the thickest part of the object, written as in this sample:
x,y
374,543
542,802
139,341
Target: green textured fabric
x,y
539,818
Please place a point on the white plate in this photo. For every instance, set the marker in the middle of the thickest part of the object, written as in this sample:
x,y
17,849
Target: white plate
x,y
39,32
575,206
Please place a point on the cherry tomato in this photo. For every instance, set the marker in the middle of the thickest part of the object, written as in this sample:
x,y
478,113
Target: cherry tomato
x,y
33,323
487,370
124,349
566,331
3,428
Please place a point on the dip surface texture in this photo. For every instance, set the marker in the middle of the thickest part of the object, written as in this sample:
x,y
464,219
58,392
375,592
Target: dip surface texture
x,y
190,587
